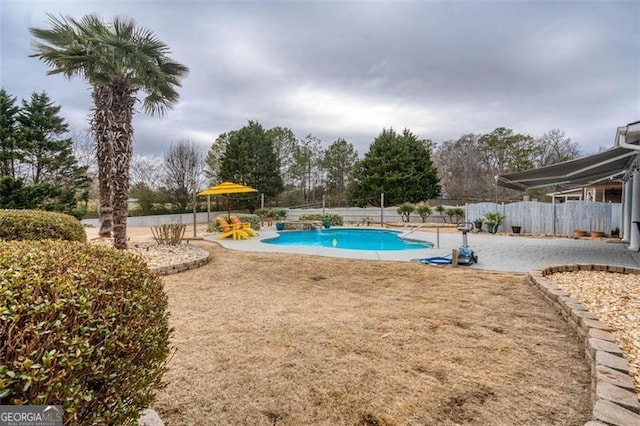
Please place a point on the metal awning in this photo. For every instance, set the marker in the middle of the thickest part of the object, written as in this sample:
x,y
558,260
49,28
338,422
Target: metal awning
x,y
611,164
605,165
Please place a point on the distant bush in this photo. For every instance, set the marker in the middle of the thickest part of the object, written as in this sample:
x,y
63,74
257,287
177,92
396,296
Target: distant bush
x,y
277,214
405,210
263,213
424,210
335,219
214,226
40,225
85,326
455,214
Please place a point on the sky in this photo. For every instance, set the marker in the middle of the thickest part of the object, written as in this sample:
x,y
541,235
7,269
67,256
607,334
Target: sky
x,y
337,69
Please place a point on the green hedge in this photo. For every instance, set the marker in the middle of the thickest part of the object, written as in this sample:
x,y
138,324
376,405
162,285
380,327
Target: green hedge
x,y
272,213
83,326
335,219
40,225
253,218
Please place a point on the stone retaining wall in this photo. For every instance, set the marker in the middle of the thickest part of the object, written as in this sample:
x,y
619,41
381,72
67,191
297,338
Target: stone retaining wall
x,y
184,266
615,401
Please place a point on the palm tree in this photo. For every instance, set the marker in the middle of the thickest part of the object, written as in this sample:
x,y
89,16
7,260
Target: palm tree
x,y
118,60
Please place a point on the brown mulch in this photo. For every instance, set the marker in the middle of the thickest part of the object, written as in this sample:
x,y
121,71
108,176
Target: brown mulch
x,y
266,339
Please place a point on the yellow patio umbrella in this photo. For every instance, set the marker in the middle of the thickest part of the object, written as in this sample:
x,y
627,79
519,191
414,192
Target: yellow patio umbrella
x,y
226,189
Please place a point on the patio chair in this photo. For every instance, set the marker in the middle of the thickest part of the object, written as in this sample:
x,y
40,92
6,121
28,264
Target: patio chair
x,y
234,230
245,226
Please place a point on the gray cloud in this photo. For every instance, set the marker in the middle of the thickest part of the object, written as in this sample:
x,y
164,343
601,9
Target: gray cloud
x,y
338,69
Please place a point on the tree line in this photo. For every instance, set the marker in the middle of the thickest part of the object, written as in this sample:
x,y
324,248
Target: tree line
x,y
40,168
37,167
296,171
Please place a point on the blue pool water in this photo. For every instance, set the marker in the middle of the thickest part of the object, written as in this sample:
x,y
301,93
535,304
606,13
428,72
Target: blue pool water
x,y
351,239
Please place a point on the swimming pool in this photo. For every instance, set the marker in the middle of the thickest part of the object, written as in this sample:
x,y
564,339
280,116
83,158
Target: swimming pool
x,y
350,239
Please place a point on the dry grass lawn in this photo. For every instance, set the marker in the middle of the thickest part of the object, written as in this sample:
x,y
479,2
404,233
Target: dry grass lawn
x,y
270,339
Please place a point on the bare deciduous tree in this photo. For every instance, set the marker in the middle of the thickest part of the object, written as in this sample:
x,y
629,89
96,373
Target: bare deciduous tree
x,y
555,147
147,170
183,166
463,170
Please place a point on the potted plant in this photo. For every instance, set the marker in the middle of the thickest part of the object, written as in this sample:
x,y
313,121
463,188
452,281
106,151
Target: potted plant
x,y
516,229
279,215
493,220
327,223
478,224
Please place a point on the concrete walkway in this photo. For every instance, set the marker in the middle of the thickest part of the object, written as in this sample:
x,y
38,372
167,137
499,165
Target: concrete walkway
x,y
495,252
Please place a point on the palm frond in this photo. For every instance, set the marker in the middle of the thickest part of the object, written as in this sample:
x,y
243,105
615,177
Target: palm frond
x,y
111,53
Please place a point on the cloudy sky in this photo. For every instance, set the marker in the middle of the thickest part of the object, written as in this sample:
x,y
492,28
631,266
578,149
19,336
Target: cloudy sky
x,y
339,69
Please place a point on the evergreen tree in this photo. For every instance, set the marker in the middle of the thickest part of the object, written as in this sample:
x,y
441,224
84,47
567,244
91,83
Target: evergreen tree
x,y
9,154
398,165
250,159
37,162
47,155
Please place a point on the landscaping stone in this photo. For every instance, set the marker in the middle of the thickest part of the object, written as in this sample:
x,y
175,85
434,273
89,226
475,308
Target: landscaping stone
x,y
603,345
622,397
585,315
602,335
150,418
608,375
577,306
614,393
589,323
557,293
612,361
614,414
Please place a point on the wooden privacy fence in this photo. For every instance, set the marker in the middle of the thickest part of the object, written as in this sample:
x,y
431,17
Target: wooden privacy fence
x,y
558,219
532,216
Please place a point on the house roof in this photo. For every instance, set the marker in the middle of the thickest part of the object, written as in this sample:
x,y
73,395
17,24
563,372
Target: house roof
x,y
606,165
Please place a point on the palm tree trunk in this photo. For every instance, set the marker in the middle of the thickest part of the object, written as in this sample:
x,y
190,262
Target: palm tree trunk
x,y
104,152
122,131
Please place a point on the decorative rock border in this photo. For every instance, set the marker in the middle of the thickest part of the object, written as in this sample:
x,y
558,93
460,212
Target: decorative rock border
x,y
615,401
184,266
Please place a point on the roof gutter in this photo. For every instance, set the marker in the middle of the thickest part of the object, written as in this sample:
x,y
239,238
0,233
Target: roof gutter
x,y
622,138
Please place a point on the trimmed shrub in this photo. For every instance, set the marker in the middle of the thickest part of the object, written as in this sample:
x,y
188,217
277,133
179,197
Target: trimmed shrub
x,y
405,210
40,225
424,210
335,219
455,214
263,213
214,226
274,213
83,326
